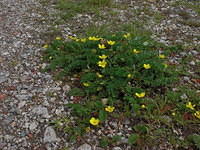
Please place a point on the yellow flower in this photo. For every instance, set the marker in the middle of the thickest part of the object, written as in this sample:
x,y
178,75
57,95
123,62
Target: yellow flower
x,y
58,38
173,114
147,66
127,35
109,109
103,56
197,114
94,121
101,46
93,38
190,106
161,56
111,42
129,75
143,106
46,46
102,64
99,75
135,51
73,38
140,95
83,40
86,84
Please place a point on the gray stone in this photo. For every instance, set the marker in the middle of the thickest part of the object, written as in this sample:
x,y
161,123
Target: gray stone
x,y
22,96
50,135
21,104
33,126
66,88
85,147
184,96
186,78
39,110
116,148
3,76
192,63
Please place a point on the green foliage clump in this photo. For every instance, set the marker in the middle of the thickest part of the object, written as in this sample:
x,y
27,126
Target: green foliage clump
x,y
113,73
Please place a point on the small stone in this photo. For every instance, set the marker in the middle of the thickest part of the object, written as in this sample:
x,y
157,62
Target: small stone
x,y
166,118
126,122
192,63
184,96
22,97
2,96
85,147
104,101
114,124
50,135
116,148
33,126
186,78
21,104
174,89
98,148
3,76
124,140
66,88
39,110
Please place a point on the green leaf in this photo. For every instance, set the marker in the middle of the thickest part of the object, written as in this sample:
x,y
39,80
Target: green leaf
x,y
196,139
142,129
102,115
133,138
76,92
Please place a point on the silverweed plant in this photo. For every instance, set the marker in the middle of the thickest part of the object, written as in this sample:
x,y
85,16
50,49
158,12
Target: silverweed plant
x,y
111,74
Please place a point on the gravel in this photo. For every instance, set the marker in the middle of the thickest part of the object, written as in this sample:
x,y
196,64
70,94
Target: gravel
x,y
29,98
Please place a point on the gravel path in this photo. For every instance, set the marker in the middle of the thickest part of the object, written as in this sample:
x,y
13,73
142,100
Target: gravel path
x,y
28,98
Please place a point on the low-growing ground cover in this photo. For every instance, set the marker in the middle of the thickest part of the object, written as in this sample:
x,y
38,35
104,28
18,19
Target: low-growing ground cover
x,y
127,89
121,77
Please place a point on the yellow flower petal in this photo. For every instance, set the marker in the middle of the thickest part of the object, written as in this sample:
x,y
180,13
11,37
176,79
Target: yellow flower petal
x,y
94,121
161,56
109,109
129,75
93,38
58,38
99,75
140,95
127,35
143,106
111,42
101,46
190,106
147,66
86,84
103,56
197,114
135,51
46,46
102,64
83,40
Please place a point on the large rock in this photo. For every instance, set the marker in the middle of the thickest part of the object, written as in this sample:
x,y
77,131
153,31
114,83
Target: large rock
x,y
85,147
50,135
